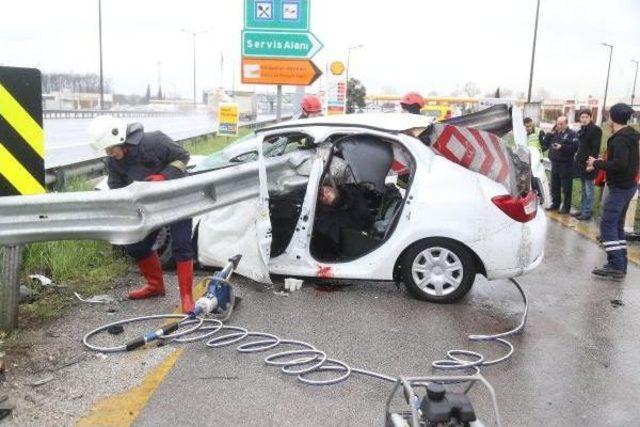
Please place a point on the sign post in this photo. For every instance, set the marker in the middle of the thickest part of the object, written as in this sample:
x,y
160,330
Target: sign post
x,y
277,45
337,90
21,167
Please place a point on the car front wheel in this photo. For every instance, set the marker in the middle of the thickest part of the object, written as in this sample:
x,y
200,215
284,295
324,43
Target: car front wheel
x,y
438,270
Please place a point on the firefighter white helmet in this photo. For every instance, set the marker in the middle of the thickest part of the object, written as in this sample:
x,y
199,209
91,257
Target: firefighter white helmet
x,y
106,131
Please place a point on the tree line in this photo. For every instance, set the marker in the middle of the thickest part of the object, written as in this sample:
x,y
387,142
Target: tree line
x,y
72,82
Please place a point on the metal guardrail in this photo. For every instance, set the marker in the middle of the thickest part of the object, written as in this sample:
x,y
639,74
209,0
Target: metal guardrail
x,y
90,114
58,176
129,214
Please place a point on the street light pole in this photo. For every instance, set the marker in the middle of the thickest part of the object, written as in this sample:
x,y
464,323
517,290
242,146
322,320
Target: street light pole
x,y
533,51
100,43
347,71
606,86
193,35
635,79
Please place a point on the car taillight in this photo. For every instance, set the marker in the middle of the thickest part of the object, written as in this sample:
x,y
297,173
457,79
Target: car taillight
x,y
521,209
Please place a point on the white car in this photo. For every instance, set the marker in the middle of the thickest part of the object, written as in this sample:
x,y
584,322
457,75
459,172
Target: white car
x,y
447,202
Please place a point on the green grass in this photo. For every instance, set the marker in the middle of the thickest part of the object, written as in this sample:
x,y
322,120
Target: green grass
x,y
211,144
85,266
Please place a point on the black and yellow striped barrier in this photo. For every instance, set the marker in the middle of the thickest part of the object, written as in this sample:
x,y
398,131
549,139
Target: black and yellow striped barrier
x,y
21,135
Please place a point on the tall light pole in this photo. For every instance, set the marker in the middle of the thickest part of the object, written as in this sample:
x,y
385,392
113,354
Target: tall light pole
x,y
533,51
100,43
347,71
606,86
194,34
635,79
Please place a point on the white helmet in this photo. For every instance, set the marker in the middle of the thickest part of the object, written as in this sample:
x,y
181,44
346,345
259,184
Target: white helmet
x,y
106,131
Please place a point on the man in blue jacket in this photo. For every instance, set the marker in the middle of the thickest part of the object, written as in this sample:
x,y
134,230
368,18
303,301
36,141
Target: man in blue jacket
x,y
562,144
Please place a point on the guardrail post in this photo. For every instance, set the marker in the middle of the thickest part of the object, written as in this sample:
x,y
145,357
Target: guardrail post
x,y
10,287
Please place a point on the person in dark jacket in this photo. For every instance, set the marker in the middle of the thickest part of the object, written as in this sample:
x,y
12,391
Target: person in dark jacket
x,y
339,208
562,144
621,169
590,137
136,155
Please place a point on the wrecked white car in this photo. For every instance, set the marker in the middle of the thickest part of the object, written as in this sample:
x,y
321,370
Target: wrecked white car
x,y
430,205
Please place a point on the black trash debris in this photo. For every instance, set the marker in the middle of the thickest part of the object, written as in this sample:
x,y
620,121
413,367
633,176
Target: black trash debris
x,y
115,329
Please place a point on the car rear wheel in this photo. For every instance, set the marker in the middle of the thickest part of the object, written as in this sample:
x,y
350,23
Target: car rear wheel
x,y
438,270
163,247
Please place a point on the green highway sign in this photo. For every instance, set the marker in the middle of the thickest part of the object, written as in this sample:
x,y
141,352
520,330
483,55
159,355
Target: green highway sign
x,y
290,15
279,44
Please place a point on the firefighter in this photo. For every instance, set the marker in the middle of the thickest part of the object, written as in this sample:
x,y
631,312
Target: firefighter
x,y
621,167
412,102
311,107
136,155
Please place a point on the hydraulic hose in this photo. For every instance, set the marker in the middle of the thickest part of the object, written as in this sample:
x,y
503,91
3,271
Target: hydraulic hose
x,y
305,360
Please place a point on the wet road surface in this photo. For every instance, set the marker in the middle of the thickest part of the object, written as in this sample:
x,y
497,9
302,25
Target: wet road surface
x,y
577,363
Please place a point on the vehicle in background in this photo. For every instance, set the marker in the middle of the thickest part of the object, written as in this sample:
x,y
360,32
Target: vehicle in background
x,y
437,112
247,105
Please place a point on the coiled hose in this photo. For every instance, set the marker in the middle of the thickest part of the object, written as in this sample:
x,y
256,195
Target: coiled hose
x,y
307,360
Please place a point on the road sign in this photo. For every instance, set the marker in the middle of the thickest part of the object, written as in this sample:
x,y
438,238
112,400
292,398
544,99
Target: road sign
x,y
292,15
21,135
228,119
279,71
280,44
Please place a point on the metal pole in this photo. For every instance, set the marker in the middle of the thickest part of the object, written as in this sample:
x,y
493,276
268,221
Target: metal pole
x,y
194,71
533,51
606,87
10,287
346,92
279,104
635,79
100,42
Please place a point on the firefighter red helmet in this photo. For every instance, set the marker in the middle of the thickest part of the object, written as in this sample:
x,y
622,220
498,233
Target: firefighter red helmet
x,y
412,98
311,104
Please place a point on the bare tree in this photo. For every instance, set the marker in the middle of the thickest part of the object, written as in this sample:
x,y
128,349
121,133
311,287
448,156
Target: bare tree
x,y
471,89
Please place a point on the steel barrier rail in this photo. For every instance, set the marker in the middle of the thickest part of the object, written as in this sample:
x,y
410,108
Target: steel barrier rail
x,y
127,215
58,175
89,114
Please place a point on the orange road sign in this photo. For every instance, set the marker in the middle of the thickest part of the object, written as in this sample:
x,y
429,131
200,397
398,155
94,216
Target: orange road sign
x,y
279,71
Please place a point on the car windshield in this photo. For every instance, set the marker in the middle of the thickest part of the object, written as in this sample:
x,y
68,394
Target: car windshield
x,y
245,150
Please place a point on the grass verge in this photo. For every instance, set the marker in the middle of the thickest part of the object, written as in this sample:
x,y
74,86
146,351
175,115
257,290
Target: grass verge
x,y
211,144
85,266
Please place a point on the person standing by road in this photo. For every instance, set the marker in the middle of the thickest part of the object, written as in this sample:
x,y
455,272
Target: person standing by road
x,y
135,155
621,169
562,144
590,137
535,136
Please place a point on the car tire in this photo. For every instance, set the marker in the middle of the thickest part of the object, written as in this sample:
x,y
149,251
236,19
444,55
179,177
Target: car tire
x,y
163,247
438,270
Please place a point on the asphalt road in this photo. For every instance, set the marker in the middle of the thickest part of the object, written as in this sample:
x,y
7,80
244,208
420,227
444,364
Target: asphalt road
x,y
577,363
66,139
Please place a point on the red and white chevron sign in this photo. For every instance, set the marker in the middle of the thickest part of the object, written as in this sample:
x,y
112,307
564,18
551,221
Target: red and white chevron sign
x,y
476,150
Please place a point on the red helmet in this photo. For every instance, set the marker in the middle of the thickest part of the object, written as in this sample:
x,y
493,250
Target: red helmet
x,y
311,104
412,98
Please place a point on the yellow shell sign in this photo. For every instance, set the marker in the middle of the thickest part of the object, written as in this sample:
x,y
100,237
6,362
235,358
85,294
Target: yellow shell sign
x,y
337,68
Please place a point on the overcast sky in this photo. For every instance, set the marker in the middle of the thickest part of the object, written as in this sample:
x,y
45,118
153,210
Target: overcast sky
x,y
419,45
